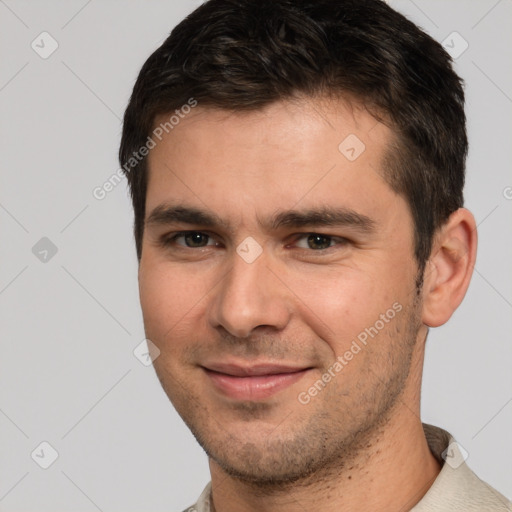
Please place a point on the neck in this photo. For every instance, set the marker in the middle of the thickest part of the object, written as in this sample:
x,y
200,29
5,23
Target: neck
x,y
393,473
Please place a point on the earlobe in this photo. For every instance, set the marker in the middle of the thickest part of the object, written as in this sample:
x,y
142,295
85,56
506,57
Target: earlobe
x,y
450,267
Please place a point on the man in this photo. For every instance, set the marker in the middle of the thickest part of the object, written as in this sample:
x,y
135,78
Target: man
x,y
296,169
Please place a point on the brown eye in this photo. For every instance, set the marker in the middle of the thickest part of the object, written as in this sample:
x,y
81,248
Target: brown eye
x,y
314,241
319,241
196,239
189,239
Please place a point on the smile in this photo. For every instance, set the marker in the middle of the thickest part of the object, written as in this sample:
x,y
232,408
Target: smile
x,y
252,383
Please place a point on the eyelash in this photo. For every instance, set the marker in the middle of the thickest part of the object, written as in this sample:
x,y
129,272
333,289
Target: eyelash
x,y
170,240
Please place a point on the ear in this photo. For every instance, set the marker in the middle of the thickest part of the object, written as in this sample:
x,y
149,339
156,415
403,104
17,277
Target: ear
x,y
449,268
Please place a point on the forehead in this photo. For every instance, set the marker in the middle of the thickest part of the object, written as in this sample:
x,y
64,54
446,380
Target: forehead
x,y
295,120
312,150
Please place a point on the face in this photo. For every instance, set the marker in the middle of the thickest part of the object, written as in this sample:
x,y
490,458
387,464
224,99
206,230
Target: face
x,y
277,281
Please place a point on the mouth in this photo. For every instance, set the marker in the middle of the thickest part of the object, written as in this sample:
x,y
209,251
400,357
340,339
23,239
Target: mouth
x,y
255,382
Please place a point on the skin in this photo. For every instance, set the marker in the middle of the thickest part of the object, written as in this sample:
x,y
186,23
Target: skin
x,y
358,444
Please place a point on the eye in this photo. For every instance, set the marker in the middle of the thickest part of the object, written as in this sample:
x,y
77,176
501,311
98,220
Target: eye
x,y
191,239
317,241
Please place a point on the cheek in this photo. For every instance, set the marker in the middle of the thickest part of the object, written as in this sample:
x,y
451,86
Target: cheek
x,y
161,299
339,305
172,300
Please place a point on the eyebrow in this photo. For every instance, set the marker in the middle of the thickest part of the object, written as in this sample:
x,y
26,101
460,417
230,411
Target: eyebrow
x,y
323,216
169,214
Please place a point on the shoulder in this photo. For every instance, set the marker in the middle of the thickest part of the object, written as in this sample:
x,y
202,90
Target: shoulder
x,y
203,503
457,488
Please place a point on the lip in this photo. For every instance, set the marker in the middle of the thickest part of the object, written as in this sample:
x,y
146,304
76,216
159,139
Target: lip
x,y
255,382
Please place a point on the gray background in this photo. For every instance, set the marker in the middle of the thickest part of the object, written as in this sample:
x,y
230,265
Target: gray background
x,y
69,324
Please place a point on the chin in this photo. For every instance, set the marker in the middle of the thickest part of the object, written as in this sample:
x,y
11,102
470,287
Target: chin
x,y
265,463
267,472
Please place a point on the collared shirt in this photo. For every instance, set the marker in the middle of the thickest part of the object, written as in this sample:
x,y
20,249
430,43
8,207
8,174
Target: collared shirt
x,y
456,488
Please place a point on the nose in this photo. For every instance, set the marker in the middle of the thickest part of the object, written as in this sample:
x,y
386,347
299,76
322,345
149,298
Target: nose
x,y
250,296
